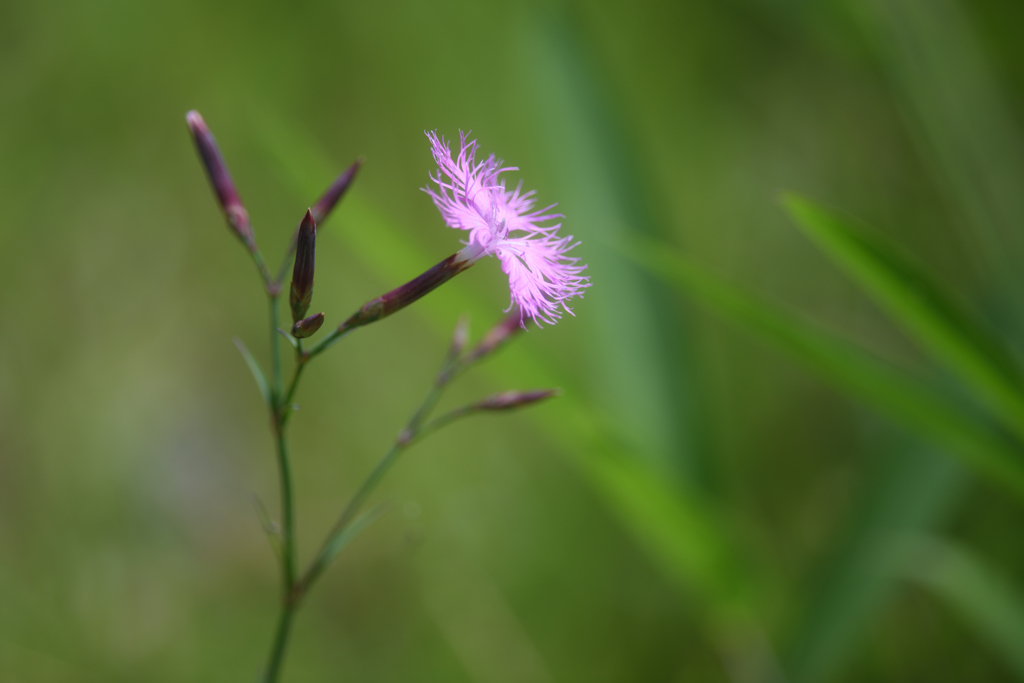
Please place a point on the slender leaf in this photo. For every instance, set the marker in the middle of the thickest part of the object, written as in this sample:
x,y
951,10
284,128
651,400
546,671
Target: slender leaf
x,y
345,536
288,338
921,308
982,597
910,490
647,368
860,374
941,75
257,373
270,527
679,530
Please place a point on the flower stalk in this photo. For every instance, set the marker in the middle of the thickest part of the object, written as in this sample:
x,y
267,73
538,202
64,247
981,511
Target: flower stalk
x,y
279,397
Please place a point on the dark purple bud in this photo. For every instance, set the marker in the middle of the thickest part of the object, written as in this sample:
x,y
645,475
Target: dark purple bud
x,y
512,324
302,273
326,203
220,178
307,327
335,192
397,299
515,399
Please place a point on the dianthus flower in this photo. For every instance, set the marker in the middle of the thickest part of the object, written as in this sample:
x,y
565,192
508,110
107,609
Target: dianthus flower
x,y
471,196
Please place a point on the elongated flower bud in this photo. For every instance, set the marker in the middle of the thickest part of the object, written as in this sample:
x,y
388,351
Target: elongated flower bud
x,y
326,203
220,179
515,399
307,327
510,325
397,299
302,273
335,192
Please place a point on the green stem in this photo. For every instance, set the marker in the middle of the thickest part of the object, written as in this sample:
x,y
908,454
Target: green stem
x,y
349,513
288,553
284,627
286,404
287,510
295,588
275,350
428,404
327,342
446,419
268,284
404,440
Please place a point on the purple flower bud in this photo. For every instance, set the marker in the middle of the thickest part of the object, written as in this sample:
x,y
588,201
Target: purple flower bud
x,y
515,399
307,327
336,191
220,179
411,291
511,324
326,203
302,273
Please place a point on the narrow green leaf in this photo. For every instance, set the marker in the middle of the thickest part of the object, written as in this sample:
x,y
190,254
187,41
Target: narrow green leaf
x,y
898,395
910,489
984,599
343,538
648,377
921,308
678,528
270,527
289,338
257,373
940,74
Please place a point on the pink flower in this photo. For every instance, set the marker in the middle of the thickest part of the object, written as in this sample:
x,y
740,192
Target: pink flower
x,y
471,196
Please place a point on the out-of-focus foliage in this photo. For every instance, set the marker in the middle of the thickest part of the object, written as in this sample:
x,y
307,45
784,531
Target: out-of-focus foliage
x,y
697,506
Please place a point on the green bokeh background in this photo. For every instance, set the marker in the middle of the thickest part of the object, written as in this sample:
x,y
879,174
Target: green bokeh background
x,y
132,436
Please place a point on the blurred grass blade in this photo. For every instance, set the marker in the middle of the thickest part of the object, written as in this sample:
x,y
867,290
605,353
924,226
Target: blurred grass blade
x,y
939,67
870,379
257,373
684,536
911,489
986,601
921,308
648,376
679,530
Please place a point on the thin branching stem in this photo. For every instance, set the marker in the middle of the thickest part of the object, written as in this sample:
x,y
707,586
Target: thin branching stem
x,y
328,341
286,404
275,351
261,265
295,586
284,627
446,419
287,510
404,439
278,412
